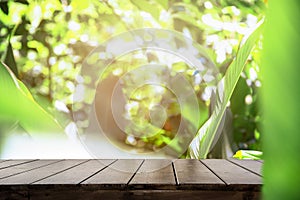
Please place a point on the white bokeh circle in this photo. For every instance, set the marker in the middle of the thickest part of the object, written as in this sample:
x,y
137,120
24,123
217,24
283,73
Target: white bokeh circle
x,y
165,42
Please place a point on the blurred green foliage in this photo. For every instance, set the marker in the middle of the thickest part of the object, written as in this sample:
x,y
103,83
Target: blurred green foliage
x,y
45,43
281,97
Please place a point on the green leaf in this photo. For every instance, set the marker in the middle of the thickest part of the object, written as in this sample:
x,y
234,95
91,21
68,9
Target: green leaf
x,y
248,154
25,90
17,104
208,133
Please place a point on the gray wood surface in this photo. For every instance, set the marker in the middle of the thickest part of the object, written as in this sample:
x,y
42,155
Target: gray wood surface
x,y
25,167
118,173
77,174
130,179
251,165
10,163
194,172
155,172
231,173
40,173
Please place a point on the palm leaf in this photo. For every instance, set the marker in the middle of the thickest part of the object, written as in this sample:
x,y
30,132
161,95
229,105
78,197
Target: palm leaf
x,y
208,133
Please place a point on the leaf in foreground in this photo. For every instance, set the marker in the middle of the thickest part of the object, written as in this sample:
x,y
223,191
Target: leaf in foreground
x,y
17,104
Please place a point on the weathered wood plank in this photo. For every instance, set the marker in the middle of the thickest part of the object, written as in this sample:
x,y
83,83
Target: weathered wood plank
x,y
251,165
77,192
232,174
18,169
194,173
118,174
40,173
3,161
154,173
77,174
131,179
11,163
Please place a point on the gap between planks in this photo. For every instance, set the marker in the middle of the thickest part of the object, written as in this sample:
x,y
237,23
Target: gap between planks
x,y
171,164
213,172
175,174
246,168
234,175
135,172
59,172
34,168
154,173
22,162
97,172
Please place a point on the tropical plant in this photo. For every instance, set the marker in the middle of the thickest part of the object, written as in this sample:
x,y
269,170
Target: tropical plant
x,y
202,143
44,43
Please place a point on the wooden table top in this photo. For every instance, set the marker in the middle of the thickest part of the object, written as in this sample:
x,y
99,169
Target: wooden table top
x,y
133,179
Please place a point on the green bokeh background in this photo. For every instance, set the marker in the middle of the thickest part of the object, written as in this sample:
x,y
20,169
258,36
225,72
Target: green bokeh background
x,y
45,43
280,63
281,97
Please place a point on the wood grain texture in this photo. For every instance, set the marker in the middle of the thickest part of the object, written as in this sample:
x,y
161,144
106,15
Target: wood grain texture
x,y
194,173
118,174
18,169
131,179
232,174
11,163
94,192
154,173
77,174
40,173
251,165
